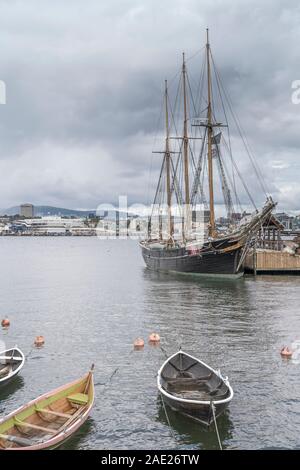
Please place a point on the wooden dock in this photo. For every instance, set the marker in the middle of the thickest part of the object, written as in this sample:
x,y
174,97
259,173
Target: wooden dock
x,y
272,262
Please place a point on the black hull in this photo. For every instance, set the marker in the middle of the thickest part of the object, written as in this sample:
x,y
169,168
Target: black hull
x,y
193,389
199,412
178,260
7,381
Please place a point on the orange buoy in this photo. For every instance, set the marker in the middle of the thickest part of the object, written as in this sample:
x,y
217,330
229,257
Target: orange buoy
x,y
154,338
138,343
286,352
39,341
5,323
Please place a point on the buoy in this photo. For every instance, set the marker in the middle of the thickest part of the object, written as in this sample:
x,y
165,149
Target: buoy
x,y
138,343
154,338
286,352
39,341
5,323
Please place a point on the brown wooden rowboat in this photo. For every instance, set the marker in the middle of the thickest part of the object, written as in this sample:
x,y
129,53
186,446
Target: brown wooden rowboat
x,y
51,419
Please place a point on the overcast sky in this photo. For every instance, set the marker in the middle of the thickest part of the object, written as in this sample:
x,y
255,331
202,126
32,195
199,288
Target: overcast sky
x,y
84,81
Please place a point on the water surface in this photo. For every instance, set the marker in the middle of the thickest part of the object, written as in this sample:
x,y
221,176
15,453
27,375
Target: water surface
x,y
91,298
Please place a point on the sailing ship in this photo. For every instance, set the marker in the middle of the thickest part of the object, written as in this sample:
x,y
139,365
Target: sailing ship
x,y
188,175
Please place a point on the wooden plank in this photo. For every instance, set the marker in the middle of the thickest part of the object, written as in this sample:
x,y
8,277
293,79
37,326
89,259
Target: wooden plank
x,y
72,418
270,260
34,426
54,413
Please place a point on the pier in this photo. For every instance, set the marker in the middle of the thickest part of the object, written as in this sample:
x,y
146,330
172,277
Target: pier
x,y
262,261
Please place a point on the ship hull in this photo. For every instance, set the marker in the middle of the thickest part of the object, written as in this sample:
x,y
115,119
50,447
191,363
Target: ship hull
x,y
205,264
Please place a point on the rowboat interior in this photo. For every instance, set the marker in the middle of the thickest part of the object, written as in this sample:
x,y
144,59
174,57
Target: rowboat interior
x,y
9,362
47,417
187,378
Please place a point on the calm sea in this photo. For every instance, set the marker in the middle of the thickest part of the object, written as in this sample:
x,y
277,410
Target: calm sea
x,y
91,298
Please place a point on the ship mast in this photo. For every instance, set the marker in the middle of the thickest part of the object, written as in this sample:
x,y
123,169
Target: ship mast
x,y
185,150
168,166
212,225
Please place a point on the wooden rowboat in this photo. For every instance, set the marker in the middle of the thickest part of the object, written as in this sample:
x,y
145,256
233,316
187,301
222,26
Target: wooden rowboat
x,y
51,419
11,362
191,387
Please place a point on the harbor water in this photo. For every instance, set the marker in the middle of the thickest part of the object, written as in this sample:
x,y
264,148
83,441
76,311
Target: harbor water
x,y
91,298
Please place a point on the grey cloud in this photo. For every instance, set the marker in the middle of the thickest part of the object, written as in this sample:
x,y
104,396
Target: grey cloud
x,y
84,82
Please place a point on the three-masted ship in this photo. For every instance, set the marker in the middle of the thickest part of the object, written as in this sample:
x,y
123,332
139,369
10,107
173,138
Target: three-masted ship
x,y
176,240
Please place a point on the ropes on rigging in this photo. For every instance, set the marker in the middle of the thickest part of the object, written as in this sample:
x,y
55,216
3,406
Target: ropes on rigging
x,y
240,130
197,106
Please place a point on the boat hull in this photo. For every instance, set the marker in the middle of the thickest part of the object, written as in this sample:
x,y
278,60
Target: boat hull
x,y
8,381
205,264
7,425
201,413
192,388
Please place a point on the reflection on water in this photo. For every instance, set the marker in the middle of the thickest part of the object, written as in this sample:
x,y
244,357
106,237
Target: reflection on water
x,y
295,347
190,434
74,443
90,299
7,390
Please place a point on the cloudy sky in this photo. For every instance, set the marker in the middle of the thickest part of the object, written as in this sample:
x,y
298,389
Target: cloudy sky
x,y
84,81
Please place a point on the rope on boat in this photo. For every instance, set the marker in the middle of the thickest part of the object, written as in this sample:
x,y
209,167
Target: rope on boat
x,y
216,426
168,420
29,354
108,381
164,352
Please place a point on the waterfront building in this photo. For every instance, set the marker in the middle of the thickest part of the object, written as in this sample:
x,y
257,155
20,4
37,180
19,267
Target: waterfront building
x,y
27,210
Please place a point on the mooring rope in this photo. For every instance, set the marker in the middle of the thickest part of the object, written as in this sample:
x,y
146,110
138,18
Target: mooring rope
x,y
114,372
164,352
215,421
28,354
168,420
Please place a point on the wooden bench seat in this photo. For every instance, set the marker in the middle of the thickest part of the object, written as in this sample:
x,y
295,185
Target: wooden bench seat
x,y
54,413
18,422
79,398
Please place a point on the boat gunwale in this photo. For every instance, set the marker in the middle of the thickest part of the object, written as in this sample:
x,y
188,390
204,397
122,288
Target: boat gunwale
x,y
186,400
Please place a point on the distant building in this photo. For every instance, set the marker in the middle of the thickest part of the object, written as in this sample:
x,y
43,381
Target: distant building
x,y
17,227
269,235
286,220
27,210
223,221
201,216
296,223
236,216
